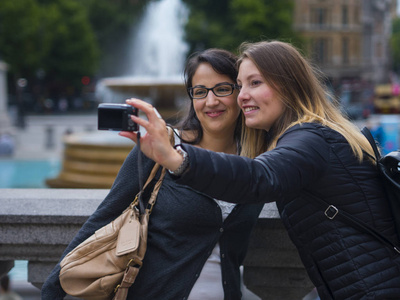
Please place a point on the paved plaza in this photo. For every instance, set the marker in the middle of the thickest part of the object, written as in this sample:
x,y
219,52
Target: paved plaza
x,y
42,137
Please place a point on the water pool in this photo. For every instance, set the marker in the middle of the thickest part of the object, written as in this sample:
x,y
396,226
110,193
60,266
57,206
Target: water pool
x,y
27,173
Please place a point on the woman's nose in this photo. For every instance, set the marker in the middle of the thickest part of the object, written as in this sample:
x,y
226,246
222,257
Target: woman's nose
x,y
243,95
211,99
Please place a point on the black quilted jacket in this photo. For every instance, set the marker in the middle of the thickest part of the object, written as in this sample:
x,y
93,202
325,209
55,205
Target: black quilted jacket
x,y
342,262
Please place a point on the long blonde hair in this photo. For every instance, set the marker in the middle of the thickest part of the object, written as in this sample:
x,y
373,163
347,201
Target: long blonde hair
x,y
299,86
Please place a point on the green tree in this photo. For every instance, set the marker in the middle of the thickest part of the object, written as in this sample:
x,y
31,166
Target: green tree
x,y
53,43
20,43
73,50
54,38
395,44
228,23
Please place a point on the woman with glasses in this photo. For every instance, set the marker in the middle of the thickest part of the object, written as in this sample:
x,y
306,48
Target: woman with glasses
x,y
311,160
195,244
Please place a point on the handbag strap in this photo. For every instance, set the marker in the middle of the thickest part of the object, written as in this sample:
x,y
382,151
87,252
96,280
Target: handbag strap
x,y
142,205
332,212
132,271
365,131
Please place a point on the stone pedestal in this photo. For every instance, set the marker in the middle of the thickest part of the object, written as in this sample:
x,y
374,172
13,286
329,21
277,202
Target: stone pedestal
x,y
91,160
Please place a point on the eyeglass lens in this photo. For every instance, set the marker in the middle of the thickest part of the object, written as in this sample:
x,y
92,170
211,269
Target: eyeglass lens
x,y
219,91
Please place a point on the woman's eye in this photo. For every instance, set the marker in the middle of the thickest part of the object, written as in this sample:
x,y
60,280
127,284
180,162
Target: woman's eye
x,y
223,89
199,92
255,82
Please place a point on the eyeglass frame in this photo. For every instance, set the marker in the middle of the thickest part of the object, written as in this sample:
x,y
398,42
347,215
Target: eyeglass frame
x,y
232,85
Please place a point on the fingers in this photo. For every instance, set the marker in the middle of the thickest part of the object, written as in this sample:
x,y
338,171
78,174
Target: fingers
x,y
142,122
153,116
145,107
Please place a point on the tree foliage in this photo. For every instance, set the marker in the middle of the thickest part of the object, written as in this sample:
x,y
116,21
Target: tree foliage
x,y
20,41
228,23
53,39
62,40
73,50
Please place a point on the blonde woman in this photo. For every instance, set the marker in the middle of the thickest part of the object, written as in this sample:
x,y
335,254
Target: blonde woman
x,y
302,146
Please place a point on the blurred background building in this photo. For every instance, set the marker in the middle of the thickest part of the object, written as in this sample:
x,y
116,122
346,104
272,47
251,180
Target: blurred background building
x,y
350,41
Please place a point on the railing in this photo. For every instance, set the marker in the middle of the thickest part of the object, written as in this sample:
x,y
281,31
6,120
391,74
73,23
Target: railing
x,y
37,224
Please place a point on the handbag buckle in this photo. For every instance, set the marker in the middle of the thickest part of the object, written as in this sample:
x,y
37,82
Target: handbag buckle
x,y
331,212
135,201
116,288
137,263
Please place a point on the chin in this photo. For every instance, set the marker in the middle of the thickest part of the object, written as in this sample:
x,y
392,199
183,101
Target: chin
x,y
252,125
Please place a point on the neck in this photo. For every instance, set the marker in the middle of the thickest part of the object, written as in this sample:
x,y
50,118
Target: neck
x,y
225,144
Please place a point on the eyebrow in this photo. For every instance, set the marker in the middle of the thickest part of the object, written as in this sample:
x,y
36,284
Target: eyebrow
x,y
218,84
251,76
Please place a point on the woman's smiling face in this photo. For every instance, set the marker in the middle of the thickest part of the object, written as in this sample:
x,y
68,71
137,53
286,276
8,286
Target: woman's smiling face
x,y
258,101
217,115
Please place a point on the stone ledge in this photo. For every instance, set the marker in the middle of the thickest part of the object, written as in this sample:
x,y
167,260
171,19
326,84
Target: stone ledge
x,y
37,224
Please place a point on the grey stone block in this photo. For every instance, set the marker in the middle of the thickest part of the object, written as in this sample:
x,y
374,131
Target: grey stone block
x,y
37,224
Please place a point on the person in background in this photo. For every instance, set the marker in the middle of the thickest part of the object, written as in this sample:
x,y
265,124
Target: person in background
x,y
7,144
196,244
5,292
302,146
377,132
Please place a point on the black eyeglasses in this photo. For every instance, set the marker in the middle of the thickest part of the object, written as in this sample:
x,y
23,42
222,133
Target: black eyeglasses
x,y
220,90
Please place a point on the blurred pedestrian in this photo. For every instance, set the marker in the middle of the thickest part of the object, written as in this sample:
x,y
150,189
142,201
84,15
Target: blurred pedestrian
x,y
7,144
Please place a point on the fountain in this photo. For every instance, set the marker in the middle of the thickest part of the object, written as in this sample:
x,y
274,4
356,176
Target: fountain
x,y
155,64
154,74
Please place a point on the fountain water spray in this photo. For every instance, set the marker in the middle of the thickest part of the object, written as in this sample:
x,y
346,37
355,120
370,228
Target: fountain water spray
x,y
155,64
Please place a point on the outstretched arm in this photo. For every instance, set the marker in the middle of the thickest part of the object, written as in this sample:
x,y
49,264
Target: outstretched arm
x,y
300,158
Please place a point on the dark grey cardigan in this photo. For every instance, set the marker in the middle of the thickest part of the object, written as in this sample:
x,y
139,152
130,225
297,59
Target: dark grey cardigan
x,y
184,228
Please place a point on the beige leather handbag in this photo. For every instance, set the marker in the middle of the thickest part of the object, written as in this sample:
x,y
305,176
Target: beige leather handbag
x,y
105,265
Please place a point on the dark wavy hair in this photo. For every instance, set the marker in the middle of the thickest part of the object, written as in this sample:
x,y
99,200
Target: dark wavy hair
x,y
223,62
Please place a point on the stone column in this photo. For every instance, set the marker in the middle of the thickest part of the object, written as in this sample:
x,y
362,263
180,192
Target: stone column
x,y
5,124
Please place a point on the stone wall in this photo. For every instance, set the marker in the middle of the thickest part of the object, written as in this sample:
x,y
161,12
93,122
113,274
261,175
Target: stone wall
x,y
37,224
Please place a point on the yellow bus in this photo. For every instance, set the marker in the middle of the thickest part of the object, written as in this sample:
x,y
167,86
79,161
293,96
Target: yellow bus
x,y
387,99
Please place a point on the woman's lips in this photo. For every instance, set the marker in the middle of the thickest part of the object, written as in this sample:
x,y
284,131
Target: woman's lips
x,y
214,114
250,109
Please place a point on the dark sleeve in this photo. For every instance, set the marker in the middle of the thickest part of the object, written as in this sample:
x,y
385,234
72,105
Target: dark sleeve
x,y
300,158
122,193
